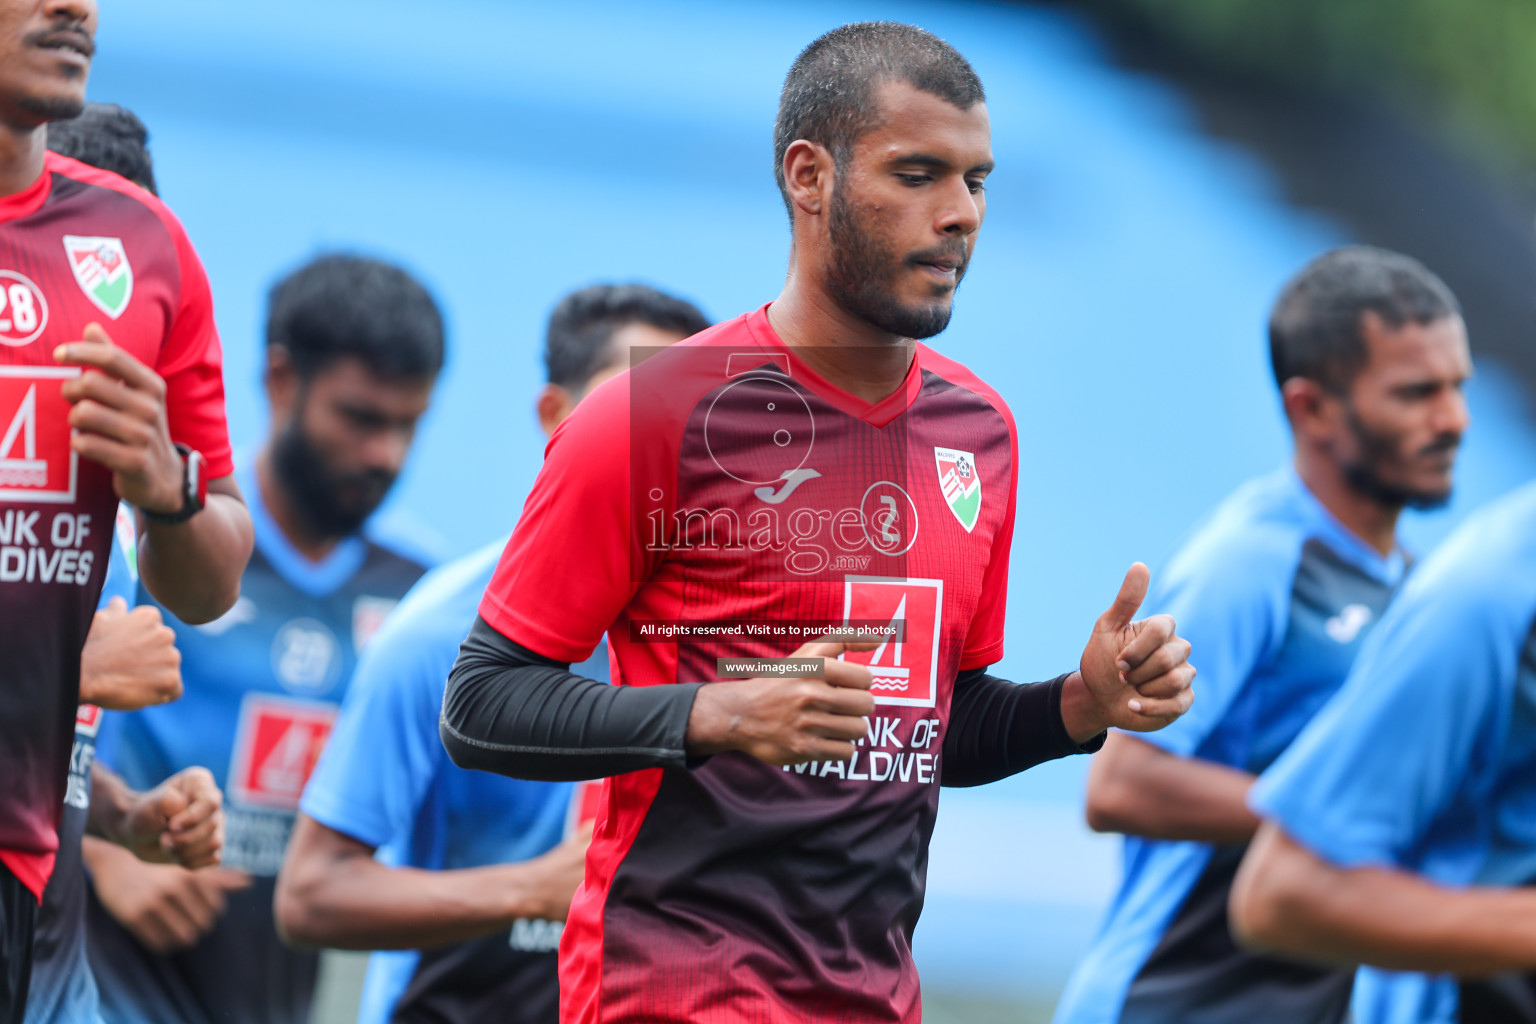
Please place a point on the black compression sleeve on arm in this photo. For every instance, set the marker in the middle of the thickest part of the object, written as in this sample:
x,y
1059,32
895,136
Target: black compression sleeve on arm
x,y
511,711
998,729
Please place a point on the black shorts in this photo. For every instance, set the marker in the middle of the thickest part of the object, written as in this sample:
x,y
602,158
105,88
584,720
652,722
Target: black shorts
x,y
1501,999
18,920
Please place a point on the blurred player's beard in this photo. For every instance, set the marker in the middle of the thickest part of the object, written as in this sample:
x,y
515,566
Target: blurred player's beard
x,y
331,502
1377,449
51,108
862,275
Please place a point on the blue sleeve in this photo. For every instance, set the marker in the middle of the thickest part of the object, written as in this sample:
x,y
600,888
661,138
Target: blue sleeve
x,y
1367,778
1229,601
384,751
122,566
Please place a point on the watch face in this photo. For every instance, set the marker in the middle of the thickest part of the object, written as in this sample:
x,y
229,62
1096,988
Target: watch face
x,y
197,481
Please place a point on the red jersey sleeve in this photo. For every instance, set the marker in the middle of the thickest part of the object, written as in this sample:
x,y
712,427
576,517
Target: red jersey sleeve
x,y
192,363
567,571
984,641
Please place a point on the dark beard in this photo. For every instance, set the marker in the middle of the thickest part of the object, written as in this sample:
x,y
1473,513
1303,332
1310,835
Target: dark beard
x,y
330,504
55,109
861,272
1363,478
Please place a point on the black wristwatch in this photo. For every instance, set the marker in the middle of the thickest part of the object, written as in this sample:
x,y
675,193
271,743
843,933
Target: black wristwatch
x,y
194,489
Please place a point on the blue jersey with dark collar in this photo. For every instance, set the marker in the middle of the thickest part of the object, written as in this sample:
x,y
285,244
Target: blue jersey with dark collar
x,y
1275,596
386,781
1426,761
262,686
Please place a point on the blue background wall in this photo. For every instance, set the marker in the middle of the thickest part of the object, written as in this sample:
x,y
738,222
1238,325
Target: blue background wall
x,y
509,152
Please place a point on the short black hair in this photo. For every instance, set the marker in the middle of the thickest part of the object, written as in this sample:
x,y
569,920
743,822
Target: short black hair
x,y
584,322
345,306
829,93
1315,327
110,137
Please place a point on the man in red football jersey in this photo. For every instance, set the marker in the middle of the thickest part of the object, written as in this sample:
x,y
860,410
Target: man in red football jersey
x,y
761,849
110,387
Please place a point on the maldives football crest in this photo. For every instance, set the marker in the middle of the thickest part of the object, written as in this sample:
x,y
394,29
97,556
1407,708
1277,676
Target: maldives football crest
x,y
961,484
102,271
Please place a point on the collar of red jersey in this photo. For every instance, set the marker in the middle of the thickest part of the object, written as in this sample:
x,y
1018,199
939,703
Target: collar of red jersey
x,y
876,414
29,199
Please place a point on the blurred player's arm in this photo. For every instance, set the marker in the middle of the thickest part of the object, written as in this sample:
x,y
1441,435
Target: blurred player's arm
x,y
1139,789
1288,900
130,659
181,820
331,892
120,420
512,711
165,906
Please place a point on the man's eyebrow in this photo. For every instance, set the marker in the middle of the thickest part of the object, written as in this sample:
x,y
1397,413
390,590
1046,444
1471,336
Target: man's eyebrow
x,y
929,160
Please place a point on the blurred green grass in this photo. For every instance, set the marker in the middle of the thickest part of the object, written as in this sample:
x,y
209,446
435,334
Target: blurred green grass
x,y
1465,64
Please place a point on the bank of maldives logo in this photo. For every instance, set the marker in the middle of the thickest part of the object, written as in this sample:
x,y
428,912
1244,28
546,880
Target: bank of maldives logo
x,y
277,745
904,667
961,484
102,271
36,461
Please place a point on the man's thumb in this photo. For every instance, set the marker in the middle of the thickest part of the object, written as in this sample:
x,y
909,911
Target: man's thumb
x,y
1132,592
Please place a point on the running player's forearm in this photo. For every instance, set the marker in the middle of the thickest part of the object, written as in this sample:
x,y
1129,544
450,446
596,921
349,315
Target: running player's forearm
x,y
361,904
111,799
1140,790
997,729
193,568
513,712
1288,900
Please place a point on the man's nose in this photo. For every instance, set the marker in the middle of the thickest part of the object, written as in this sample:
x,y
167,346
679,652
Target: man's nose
x,y
960,213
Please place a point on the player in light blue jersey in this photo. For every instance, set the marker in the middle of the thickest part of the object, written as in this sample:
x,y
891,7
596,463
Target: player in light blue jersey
x,y
398,849
1276,590
1401,826
354,347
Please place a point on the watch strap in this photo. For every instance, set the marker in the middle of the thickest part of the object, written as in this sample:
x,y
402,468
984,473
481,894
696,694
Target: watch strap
x,y
194,489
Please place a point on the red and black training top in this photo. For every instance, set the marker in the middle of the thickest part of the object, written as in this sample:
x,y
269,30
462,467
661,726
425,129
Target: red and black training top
x,y
79,245
725,481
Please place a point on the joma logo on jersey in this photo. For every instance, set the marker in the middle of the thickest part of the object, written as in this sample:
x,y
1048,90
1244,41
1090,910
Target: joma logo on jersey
x,y
36,461
276,747
960,483
102,271
906,670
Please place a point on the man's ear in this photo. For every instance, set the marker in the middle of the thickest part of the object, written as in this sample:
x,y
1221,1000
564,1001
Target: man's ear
x,y
281,379
553,405
1312,409
808,176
